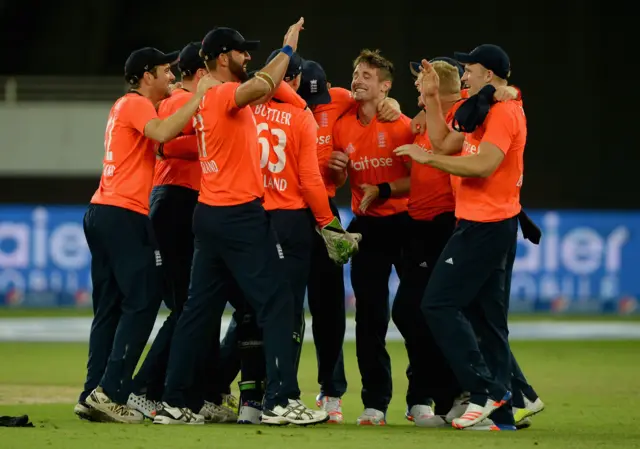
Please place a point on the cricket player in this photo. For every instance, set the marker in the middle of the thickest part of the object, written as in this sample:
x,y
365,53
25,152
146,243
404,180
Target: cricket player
x,y
234,238
325,290
173,199
481,250
125,258
432,220
295,195
379,182
525,399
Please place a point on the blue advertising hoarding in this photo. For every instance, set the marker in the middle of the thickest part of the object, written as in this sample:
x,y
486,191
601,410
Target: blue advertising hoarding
x,y
586,262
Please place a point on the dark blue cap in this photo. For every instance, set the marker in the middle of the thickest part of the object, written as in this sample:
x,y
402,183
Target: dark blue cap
x,y
416,67
490,57
293,69
221,40
144,60
190,60
313,88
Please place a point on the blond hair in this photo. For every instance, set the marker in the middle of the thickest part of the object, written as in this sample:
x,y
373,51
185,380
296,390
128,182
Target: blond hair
x,y
449,77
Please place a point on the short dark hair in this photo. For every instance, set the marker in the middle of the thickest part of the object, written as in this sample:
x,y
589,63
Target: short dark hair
x,y
373,58
153,71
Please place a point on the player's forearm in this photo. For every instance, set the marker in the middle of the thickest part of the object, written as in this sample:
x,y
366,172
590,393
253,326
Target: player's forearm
x,y
183,147
315,195
287,94
400,186
168,128
470,166
436,125
339,177
264,82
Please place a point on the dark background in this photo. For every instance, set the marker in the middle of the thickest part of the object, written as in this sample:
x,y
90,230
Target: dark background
x,y
571,59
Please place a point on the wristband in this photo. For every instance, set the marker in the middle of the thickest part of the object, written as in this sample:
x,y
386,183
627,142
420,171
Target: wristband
x,y
287,50
384,190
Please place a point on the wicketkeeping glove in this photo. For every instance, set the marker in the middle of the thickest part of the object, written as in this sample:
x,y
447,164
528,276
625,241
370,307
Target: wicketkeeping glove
x,y
341,245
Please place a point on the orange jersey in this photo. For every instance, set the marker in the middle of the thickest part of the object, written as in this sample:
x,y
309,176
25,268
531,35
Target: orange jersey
x,y
228,147
130,157
497,197
326,116
431,189
287,139
430,193
371,158
178,164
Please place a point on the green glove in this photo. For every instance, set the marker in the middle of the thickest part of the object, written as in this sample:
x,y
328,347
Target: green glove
x,y
341,245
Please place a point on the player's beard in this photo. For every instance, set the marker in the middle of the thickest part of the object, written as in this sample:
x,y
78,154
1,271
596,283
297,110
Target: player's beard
x,y
238,71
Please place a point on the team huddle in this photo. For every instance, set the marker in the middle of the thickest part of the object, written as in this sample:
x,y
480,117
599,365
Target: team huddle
x,y
220,190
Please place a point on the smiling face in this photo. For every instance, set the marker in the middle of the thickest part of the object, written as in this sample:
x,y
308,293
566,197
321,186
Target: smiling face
x,y
372,76
476,77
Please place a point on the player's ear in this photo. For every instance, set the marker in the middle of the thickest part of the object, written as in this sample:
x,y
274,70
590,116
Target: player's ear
x,y
488,76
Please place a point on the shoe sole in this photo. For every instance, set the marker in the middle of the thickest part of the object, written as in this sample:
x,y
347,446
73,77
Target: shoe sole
x,y
104,416
485,413
165,420
313,423
431,423
86,415
144,412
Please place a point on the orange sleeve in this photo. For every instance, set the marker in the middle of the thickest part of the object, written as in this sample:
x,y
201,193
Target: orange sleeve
x,y
336,136
342,99
183,147
286,94
172,104
500,125
311,184
225,96
452,112
138,111
403,135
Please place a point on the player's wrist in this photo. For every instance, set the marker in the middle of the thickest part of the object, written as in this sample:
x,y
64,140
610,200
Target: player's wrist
x,y
287,50
384,190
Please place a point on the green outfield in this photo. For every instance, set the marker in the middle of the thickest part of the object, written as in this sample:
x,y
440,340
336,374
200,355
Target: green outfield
x,y
591,390
65,312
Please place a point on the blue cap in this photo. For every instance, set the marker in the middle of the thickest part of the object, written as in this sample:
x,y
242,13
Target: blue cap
x,y
293,69
490,57
190,60
416,67
221,40
144,60
313,88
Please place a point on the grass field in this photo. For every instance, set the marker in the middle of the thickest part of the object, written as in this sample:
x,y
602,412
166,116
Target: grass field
x,y
64,312
590,388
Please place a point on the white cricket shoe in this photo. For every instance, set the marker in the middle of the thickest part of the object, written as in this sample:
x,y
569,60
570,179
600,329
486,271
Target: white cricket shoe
x,y
476,413
109,411
530,409
167,414
214,413
145,406
458,408
250,412
333,407
371,417
295,412
424,416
